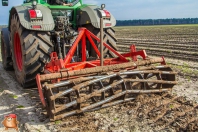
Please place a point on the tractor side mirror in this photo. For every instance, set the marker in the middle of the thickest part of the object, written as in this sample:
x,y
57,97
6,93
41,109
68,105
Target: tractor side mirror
x,y
4,2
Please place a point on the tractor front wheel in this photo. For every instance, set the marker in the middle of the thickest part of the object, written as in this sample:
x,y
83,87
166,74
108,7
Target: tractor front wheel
x,y
30,52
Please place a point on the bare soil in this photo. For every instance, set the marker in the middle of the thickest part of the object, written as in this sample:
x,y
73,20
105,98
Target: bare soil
x,y
154,112
177,41
176,111
24,103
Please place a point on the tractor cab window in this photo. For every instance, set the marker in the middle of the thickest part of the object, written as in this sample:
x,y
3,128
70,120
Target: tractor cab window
x,y
67,13
71,1
38,1
57,2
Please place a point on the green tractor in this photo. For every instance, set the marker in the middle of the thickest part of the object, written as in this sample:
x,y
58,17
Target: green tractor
x,y
39,27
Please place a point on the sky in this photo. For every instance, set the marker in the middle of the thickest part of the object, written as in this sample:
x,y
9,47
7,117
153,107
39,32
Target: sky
x,y
133,9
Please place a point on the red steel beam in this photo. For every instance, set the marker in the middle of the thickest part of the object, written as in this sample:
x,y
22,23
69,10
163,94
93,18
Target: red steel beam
x,y
83,48
74,46
106,45
93,44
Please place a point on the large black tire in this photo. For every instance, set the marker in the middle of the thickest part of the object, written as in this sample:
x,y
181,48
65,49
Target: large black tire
x,y
30,51
5,50
108,37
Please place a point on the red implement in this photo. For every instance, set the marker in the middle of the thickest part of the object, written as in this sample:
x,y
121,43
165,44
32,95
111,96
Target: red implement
x,y
85,85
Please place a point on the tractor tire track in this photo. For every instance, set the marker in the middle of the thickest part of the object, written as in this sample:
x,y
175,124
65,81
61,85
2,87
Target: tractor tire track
x,y
24,103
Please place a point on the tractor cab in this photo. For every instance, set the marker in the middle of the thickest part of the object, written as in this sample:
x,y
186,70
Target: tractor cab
x,y
50,2
53,2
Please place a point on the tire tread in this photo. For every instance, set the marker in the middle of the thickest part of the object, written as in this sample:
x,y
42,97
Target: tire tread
x,y
31,43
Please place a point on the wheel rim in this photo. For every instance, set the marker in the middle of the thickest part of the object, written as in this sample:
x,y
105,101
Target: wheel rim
x,y
18,51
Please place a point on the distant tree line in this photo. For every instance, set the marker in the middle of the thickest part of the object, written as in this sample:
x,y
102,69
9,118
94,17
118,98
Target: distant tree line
x,y
171,21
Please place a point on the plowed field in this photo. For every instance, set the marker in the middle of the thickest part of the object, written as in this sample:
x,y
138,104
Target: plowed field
x,y
154,112
179,42
176,111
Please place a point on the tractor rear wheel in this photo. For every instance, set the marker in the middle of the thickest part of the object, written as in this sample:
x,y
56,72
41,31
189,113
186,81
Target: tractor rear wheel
x,y
30,51
108,37
5,50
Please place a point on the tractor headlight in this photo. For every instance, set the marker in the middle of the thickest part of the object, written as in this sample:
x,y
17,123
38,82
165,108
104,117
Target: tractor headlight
x,y
102,6
34,3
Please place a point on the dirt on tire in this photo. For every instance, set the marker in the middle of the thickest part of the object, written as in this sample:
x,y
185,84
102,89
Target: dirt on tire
x,y
30,52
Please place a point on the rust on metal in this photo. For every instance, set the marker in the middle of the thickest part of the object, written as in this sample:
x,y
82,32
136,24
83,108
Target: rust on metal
x,y
86,85
99,69
94,92
150,81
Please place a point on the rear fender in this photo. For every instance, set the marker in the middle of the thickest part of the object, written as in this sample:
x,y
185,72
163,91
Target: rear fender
x,y
90,14
46,23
